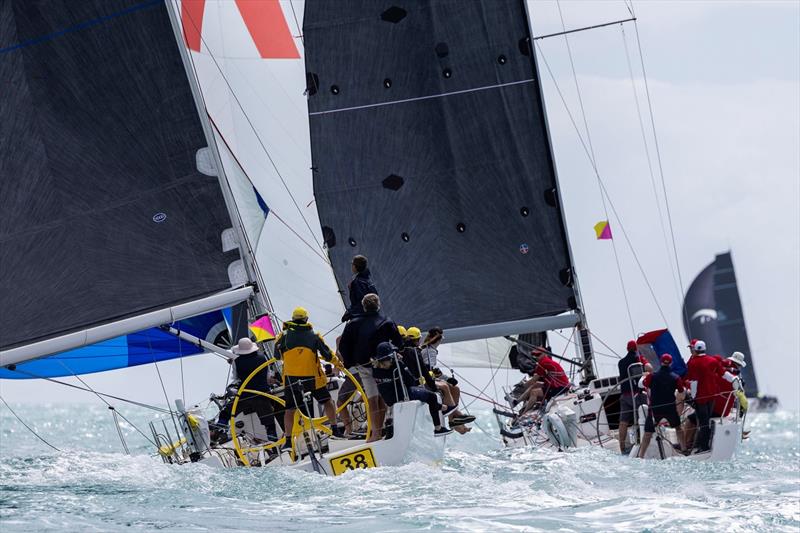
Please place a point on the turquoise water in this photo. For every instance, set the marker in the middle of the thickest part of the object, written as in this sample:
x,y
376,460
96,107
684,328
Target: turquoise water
x,y
92,486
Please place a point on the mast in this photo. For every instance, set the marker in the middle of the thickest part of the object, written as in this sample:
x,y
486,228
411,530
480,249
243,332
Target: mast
x,y
585,343
260,301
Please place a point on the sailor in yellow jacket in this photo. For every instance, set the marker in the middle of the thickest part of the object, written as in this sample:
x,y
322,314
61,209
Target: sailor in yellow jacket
x,y
300,347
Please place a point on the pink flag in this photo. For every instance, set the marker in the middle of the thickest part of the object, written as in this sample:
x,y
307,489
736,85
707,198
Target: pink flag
x,y
603,230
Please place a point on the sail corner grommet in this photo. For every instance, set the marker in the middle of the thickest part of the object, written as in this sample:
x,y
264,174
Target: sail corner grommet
x,y
524,211
460,227
405,236
352,242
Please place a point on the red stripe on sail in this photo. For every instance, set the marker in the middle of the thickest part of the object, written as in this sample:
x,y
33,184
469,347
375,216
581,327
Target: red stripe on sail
x,y
192,21
267,26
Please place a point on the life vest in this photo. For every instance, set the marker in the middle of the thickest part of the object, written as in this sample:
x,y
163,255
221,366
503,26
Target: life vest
x,y
299,345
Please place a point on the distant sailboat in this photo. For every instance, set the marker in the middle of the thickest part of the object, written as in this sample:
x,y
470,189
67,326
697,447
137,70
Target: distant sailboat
x,y
713,312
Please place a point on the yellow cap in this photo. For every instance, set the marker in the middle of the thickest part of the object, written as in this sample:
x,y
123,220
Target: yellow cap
x,y
414,332
299,313
402,331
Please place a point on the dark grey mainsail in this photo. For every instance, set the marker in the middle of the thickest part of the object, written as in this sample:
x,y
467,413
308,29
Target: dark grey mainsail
x,y
431,157
106,214
714,312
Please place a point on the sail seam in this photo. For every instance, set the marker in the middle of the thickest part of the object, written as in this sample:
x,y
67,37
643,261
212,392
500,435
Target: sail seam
x,y
427,97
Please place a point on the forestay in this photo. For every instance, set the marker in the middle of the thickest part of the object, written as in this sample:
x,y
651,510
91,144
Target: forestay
x,y
432,158
112,213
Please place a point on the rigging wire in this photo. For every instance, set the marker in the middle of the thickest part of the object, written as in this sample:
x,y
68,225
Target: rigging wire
x,y
593,158
658,159
570,340
297,24
114,411
647,155
26,425
600,181
252,127
272,211
73,386
180,359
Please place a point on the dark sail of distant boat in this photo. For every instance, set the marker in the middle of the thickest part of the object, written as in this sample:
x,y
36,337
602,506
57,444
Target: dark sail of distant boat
x,y
713,313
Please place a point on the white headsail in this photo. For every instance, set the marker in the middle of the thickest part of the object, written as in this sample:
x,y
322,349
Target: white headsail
x,y
248,58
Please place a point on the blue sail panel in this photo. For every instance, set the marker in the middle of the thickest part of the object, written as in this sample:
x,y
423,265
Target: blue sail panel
x,y
141,348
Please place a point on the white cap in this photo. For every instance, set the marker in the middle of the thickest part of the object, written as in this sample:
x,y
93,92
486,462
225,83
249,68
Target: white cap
x,y
700,346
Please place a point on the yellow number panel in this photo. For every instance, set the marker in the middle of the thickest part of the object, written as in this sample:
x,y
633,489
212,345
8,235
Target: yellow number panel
x,y
352,461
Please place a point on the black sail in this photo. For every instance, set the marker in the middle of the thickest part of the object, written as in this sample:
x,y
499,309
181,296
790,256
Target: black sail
x,y
104,212
714,310
431,157
700,310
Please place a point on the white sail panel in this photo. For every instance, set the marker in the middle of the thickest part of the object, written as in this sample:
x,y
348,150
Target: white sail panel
x,y
250,67
485,353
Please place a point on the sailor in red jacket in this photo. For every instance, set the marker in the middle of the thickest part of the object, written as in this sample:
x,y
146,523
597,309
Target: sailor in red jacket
x,y
703,374
549,380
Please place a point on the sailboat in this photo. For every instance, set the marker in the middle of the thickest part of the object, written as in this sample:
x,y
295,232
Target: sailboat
x,y
713,312
144,189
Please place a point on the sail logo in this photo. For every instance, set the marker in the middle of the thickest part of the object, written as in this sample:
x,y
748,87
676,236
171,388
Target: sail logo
x,y
158,218
523,249
264,20
705,315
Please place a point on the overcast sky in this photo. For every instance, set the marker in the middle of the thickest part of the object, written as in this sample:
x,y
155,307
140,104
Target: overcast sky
x,y
725,84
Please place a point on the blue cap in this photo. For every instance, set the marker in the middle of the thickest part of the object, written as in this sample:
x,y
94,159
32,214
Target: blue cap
x,y
385,349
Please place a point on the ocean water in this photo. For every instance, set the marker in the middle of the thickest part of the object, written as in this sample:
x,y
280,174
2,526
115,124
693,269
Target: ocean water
x,y
92,486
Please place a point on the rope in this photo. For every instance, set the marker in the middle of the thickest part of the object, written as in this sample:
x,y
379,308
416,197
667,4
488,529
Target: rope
x,y
602,186
119,430
71,385
180,359
113,409
297,24
26,425
593,158
274,213
647,156
658,158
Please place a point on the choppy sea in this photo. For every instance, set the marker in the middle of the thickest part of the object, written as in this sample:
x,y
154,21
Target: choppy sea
x,y
92,486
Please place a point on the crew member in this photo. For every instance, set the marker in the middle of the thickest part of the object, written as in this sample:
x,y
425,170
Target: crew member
x,y
704,371
549,380
663,386
358,345
723,402
396,384
248,359
630,398
359,286
300,347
